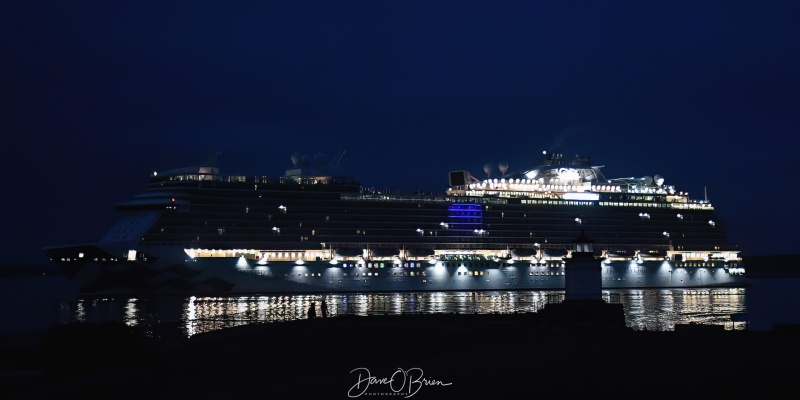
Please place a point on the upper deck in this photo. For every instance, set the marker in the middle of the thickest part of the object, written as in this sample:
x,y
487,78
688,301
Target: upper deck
x,y
573,181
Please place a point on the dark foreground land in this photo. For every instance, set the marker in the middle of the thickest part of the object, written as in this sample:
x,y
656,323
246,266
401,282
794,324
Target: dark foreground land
x,y
557,352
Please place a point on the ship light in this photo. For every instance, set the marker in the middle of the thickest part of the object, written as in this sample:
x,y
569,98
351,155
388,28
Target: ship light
x,y
242,262
712,223
583,196
568,174
300,262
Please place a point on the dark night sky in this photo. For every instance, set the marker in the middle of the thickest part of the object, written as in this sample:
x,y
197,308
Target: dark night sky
x,y
96,95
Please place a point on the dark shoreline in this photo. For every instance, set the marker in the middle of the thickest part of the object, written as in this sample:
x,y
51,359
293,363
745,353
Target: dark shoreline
x,y
30,270
772,266
558,351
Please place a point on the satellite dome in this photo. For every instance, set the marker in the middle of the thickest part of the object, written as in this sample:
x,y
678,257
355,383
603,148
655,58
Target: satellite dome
x,y
503,166
487,168
659,179
648,180
295,158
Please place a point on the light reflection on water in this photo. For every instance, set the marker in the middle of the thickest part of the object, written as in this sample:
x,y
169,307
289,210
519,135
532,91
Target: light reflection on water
x,y
182,316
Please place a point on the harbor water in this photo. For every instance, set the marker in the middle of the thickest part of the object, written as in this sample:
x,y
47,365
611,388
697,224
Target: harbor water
x,y
34,303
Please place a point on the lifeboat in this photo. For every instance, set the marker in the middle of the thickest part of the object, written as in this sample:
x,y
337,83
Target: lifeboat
x,y
384,252
348,252
419,252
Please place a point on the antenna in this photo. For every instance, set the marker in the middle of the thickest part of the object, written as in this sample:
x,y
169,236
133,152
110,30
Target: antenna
x,y
705,193
338,159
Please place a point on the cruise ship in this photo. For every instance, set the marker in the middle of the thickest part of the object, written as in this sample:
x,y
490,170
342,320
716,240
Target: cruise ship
x,y
315,229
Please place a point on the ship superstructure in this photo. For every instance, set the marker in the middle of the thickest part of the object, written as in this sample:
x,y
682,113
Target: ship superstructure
x,y
316,230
